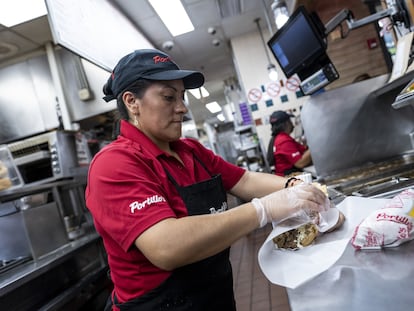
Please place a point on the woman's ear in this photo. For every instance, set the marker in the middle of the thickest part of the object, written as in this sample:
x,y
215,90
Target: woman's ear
x,y
130,102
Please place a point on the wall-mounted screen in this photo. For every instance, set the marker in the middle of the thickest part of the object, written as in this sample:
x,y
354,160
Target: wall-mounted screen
x,y
297,44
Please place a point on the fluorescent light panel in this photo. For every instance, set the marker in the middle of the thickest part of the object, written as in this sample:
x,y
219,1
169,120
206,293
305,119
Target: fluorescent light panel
x,y
213,107
173,15
19,11
220,116
200,92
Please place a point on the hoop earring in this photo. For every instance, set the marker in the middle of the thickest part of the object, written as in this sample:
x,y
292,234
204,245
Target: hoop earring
x,y
136,121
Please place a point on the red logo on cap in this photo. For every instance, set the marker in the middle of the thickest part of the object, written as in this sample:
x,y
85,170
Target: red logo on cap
x,y
159,59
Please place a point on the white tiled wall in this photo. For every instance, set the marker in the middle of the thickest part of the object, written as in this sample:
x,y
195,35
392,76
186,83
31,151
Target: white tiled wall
x,y
251,62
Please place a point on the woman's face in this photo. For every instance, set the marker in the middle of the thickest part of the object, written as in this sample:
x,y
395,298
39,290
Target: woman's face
x,y
289,126
161,111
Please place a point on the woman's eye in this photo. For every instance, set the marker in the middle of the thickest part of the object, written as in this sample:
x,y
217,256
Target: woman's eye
x,y
169,98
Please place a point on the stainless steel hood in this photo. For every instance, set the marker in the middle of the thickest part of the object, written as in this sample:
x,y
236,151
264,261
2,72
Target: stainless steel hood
x,y
360,144
356,125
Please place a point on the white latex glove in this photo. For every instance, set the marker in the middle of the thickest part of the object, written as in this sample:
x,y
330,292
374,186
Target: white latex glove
x,y
300,200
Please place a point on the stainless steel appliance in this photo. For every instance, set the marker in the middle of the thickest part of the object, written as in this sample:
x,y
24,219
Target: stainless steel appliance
x,y
360,144
13,238
50,156
7,264
30,227
383,179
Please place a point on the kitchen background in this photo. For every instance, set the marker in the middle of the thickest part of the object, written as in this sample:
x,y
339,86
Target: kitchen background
x,y
53,78
53,119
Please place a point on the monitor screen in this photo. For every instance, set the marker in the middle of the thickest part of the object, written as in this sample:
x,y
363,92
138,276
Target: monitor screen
x,y
297,44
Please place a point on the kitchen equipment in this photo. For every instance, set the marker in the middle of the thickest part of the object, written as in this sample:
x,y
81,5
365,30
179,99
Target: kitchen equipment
x,y
382,179
356,125
49,156
360,144
73,227
30,227
13,239
44,229
7,264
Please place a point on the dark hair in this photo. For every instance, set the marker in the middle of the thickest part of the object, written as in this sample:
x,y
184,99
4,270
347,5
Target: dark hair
x,y
270,156
138,88
277,127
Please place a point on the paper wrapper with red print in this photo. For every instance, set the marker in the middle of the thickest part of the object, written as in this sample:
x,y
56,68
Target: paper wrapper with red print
x,y
389,226
405,201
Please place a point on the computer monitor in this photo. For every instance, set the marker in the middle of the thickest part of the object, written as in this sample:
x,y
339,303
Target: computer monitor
x,y
299,48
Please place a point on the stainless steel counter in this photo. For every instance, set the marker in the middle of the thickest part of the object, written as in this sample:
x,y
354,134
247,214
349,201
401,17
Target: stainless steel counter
x,y
364,280
363,150
72,277
361,280
74,264
25,272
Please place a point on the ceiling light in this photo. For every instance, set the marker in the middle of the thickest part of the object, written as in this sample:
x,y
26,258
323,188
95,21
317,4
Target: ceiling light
x,y
220,116
272,72
173,15
271,68
200,92
13,13
213,107
280,13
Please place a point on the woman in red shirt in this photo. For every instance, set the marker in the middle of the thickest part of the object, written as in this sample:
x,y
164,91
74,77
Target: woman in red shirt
x,y
159,201
284,153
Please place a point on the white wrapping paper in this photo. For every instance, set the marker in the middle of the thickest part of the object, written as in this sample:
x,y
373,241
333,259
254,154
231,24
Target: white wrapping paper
x,y
293,268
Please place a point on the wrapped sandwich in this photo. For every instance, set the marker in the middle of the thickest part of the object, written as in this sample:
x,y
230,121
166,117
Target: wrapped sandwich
x,y
299,234
297,238
389,226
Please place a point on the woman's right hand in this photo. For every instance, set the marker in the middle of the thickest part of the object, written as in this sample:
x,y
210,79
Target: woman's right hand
x,y
292,201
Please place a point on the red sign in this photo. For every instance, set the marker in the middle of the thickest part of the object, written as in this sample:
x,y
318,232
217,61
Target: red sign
x,y
292,84
273,89
254,95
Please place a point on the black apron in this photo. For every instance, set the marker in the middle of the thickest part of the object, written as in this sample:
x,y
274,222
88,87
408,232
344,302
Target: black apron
x,y
204,285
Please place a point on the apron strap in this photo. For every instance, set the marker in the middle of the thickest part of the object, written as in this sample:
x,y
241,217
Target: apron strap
x,y
171,178
175,182
202,164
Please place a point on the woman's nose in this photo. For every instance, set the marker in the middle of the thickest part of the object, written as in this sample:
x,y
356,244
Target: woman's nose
x,y
182,106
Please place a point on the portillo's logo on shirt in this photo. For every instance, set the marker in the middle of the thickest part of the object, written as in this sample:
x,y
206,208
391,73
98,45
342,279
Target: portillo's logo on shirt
x,y
148,201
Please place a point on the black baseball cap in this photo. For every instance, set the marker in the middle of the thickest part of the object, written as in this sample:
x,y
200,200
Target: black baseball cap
x,y
148,64
279,116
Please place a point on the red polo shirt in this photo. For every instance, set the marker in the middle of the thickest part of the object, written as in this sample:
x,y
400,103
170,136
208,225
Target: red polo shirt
x,y
128,191
287,152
